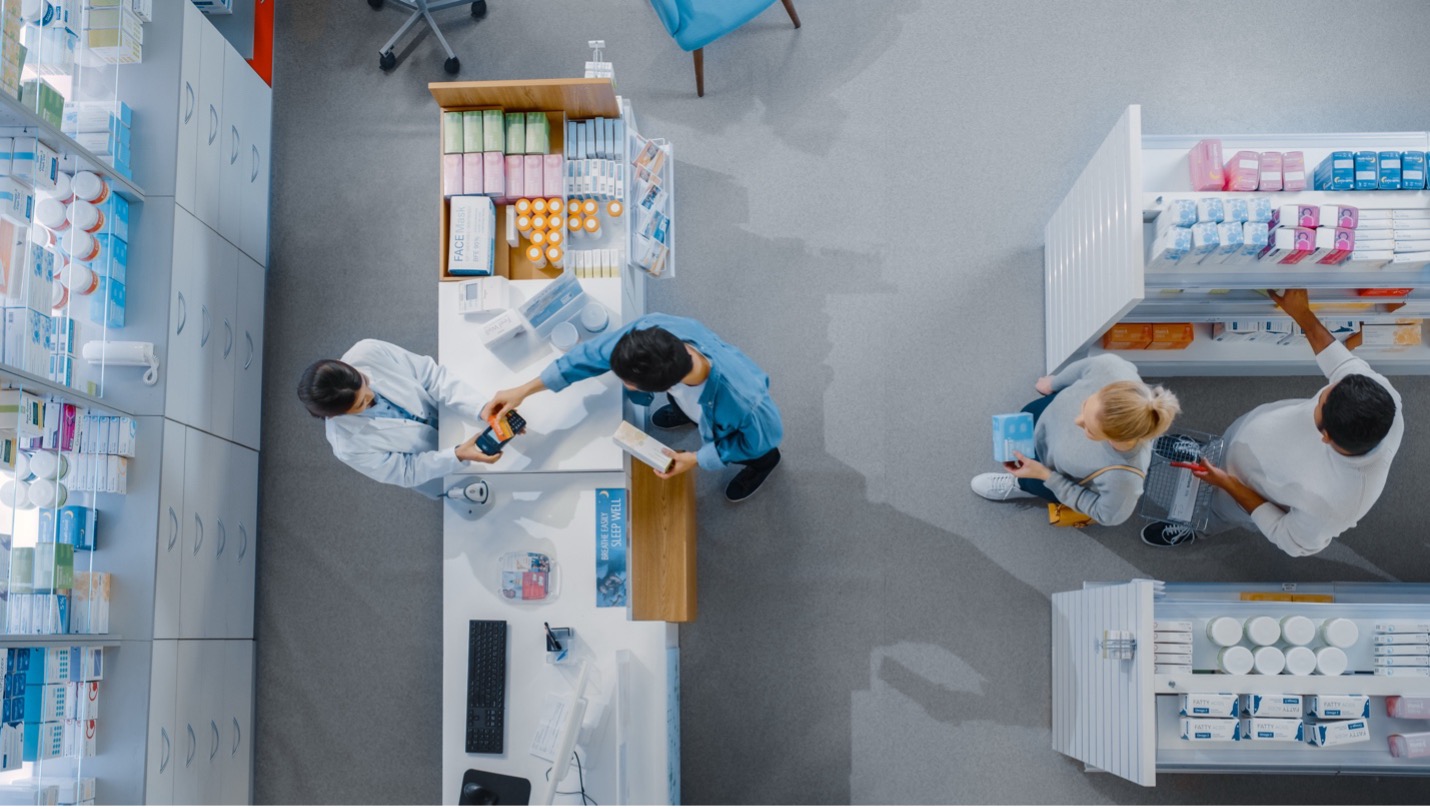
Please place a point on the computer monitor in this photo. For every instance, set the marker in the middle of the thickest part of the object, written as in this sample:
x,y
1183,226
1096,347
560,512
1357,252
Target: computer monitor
x,y
565,742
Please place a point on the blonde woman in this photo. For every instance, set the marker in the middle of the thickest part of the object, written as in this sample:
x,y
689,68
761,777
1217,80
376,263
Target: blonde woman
x,y
1093,436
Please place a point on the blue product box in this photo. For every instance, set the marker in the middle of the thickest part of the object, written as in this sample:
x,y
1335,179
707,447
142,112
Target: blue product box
x,y
43,741
126,115
1388,178
86,663
48,666
1260,209
113,258
1013,432
106,305
1412,171
77,527
1367,171
62,331
1210,209
1236,210
116,216
1337,172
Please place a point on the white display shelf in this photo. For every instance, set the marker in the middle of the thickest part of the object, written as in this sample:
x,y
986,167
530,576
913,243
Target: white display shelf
x,y
1095,268
1207,357
11,376
53,641
1193,303
14,114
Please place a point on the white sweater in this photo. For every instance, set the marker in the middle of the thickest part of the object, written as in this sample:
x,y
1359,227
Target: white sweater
x,y
1314,493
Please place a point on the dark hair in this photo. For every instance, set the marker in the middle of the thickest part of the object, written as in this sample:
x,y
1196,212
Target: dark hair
x,y
654,360
329,388
1358,414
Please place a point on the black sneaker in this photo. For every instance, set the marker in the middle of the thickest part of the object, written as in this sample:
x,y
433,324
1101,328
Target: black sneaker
x,y
670,417
748,481
1167,535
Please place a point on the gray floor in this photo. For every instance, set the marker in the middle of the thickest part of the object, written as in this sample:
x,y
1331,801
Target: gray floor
x,y
870,631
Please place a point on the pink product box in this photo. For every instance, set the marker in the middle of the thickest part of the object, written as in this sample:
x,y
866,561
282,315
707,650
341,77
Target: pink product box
x,y
515,176
1207,171
1271,171
552,171
493,174
1341,216
451,175
533,182
1408,707
1300,216
1290,245
1293,171
1333,245
1243,171
472,173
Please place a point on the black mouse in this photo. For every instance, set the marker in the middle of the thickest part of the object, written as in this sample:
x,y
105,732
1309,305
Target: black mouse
x,y
477,795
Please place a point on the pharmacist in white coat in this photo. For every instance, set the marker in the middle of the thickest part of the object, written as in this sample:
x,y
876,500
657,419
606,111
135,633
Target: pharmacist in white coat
x,y
380,404
1303,471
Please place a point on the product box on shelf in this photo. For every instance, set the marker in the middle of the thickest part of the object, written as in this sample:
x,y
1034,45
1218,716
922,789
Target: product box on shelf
x,y
1210,730
1337,172
46,703
44,741
1272,729
83,700
1208,171
1274,705
1330,734
1242,172
1127,336
69,525
1408,707
1339,706
1213,705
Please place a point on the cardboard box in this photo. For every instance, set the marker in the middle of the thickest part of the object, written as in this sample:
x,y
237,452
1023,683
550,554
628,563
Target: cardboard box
x,y
1127,337
1213,705
1271,729
642,447
1171,336
1275,705
1339,706
1210,730
1013,432
472,237
1331,734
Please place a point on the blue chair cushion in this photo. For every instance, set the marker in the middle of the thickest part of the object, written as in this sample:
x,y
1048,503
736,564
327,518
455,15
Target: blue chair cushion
x,y
701,22
668,13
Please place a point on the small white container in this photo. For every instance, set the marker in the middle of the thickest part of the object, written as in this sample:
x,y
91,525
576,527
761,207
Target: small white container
x,y
1330,661
1236,660
1300,661
51,213
80,245
565,337
1298,630
48,494
1269,660
90,187
80,279
595,317
1340,632
49,465
1263,630
86,216
22,466
15,494
1224,631
64,187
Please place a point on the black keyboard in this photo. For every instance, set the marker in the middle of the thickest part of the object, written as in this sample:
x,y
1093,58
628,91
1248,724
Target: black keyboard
x,y
486,686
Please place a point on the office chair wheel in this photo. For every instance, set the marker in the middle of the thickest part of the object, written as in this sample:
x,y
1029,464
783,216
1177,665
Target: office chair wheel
x,y
479,9
452,65
387,61
375,3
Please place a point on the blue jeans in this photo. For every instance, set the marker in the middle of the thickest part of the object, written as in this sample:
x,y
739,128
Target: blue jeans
x,y
1030,485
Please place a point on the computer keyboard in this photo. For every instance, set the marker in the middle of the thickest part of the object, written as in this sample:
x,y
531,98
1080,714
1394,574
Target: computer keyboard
x,y
486,686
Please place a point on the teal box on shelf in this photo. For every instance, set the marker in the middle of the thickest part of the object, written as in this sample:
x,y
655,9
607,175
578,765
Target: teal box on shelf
x,y
1389,171
1412,170
1367,171
106,305
1012,432
116,216
71,525
113,258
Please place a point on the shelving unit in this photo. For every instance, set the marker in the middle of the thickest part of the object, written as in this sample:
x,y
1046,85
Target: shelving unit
x,y
1122,717
14,114
1096,247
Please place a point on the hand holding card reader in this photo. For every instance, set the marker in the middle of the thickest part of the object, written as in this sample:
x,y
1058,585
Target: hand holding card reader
x,y
502,430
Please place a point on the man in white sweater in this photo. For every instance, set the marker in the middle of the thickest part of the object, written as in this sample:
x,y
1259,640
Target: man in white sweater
x,y
1302,471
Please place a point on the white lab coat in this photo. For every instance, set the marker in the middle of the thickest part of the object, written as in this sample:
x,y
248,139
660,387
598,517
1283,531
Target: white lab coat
x,y
400,451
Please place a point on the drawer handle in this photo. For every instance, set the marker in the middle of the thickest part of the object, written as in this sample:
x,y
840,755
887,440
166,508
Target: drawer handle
x,y
228,331
233,154
213,751
189,106
222,539
208,326
164,759
254,176
213,124
242,541
193,747
249,337
237,732
199,541
183,314
173,528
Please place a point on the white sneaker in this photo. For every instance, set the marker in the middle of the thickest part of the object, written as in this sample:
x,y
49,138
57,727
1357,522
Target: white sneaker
x,y
998,486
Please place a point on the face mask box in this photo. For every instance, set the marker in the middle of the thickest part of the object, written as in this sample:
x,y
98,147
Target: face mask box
x,y
1208,173
1210,730
1271,163
1260,209
1412,170
1293,171
1212,705
1388,176
1263,729
472,236
1331,734
1178,213
1275,705
1337,172
1012,432
1332,706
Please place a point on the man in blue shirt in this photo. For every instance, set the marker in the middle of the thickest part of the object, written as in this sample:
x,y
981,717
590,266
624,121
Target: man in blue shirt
x,y
707,382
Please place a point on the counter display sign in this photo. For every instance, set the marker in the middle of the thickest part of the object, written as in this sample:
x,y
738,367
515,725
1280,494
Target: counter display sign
x,y
611,547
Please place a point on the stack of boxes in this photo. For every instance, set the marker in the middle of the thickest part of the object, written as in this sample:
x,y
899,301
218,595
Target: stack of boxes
x,y
1246,170
1149,336
499,155
44,100
1261,718
1371,171
1172,646
114,30
104,129
1402,649
61,702
12,53
595,159
12,728
50,36
1211,231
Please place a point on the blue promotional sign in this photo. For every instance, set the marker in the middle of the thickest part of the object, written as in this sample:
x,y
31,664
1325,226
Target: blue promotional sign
x,y
611,547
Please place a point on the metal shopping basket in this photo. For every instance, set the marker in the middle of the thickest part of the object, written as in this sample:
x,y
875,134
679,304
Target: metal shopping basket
x,y
1172,494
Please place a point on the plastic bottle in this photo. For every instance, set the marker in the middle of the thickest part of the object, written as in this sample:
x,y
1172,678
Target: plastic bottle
x,y
81,246
59,296
52,213
555,236
592,227
538,207
555,206
90,187
536,256
589,207
523,224
523,207
80,279
614,208
86,216
64,187
538,238
555,256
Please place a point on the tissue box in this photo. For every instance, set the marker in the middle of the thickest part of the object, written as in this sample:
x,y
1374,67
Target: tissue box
x,y
1367,171
1013,432
1171,336
471,241
1205,240
1211,730
1216,705
1272,705
1293,171
1242,171
1412,171
1206,164
1264,729
1235,209
1330,734
1232,237
1389,174
1337,172
1332,706
1127,337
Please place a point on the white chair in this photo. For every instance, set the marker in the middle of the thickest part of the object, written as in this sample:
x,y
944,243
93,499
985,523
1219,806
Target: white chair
x,y
422,9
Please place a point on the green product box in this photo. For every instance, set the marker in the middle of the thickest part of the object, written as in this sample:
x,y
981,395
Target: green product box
x,y
54,567
451,133
44,100
538,133
493,131
472,140
22,570
516,133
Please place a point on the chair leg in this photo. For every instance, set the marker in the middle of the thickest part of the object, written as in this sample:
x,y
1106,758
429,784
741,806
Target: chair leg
x,y
699,55
793,15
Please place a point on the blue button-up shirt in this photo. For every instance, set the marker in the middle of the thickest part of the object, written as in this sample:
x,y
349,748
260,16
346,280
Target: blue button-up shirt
x,y
739,421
